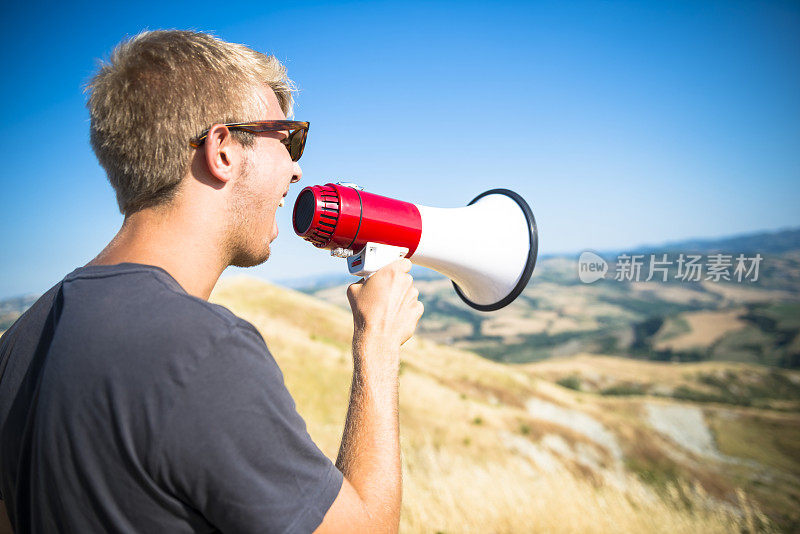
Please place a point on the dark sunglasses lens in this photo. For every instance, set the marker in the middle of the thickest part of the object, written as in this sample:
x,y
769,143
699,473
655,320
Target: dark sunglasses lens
x,y
296,143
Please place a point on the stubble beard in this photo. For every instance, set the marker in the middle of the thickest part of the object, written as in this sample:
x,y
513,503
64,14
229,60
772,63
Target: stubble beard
x,y
244,247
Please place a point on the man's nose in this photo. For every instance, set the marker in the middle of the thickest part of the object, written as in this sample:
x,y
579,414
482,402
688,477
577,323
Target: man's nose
x,y
297,172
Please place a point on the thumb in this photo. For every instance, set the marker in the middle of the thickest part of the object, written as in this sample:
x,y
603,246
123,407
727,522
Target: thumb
x,y
354,288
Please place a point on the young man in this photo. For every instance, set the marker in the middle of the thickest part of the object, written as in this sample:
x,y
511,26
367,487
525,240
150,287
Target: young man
x,y
128,403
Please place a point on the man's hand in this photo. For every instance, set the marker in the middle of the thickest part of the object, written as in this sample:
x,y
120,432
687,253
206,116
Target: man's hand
x,y
385,314
385,306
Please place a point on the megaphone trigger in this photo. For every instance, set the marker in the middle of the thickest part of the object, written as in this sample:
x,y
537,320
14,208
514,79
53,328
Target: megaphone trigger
x,y
372,257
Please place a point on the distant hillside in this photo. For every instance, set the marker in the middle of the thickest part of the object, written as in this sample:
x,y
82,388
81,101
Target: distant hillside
x,y
770,242
579,444
767,242
558,315
12,308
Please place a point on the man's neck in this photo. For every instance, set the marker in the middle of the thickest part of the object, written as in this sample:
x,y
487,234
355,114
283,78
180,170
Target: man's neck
x,y
178,242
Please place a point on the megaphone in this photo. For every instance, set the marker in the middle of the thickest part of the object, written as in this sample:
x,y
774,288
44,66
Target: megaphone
x,y
487,248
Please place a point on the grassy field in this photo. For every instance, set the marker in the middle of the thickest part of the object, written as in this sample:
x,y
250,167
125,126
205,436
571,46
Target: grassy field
x,y
583,443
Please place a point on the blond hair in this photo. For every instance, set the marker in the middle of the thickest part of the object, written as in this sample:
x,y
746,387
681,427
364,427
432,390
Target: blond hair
x,y
161,89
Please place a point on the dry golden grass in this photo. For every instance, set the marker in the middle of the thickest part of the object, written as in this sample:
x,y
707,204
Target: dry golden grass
x,y
446,491
599,370
742,293
476,457
705,328
671,293
444,331
513,324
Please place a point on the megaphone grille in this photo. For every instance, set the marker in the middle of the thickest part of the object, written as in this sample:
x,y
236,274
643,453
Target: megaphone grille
x,y
304,211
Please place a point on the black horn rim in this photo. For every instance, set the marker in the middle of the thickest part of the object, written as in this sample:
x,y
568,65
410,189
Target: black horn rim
x,y
533,250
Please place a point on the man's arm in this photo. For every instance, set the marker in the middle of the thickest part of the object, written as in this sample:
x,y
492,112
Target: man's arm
x,y
385,314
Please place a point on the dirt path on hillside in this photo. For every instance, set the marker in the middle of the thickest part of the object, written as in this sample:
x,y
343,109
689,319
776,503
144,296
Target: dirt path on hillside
x,y
576,421
686,426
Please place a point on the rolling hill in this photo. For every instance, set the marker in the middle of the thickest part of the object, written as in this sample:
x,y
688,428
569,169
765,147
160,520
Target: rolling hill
x,y
755,321
584,443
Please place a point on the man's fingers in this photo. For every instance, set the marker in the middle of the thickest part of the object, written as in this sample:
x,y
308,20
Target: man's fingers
x,y
403,264
411,295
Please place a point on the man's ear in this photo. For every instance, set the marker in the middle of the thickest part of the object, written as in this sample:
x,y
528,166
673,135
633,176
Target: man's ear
x,y
222,153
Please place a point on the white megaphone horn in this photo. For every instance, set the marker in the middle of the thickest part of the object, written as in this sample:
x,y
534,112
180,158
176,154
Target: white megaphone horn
x,y
487,248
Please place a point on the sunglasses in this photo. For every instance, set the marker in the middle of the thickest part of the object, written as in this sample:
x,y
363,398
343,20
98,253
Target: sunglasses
x,y
294,143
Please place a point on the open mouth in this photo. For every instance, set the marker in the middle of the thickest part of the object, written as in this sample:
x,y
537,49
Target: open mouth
x,y
283,200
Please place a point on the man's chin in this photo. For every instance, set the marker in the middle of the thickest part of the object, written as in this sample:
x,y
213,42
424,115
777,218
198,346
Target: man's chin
x,y
250,260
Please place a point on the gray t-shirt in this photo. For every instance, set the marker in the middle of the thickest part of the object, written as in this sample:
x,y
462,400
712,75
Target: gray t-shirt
x,y
127,405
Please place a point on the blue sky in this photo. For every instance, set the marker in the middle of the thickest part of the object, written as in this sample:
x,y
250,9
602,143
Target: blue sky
x,y
620,123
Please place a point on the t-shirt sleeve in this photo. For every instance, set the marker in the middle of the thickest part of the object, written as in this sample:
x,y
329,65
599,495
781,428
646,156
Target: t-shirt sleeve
x,y
236,450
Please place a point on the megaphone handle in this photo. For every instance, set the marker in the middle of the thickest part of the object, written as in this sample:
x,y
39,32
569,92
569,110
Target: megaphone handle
x,y
372,257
